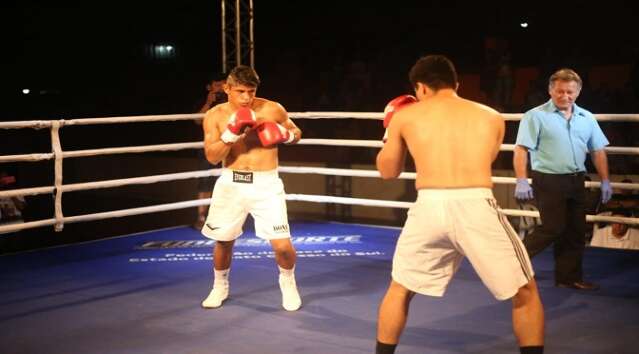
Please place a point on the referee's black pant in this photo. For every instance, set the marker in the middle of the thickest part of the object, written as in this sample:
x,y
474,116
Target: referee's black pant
x,y
561,200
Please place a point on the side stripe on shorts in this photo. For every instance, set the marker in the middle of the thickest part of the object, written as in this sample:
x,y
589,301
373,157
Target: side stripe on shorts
x,y
519,252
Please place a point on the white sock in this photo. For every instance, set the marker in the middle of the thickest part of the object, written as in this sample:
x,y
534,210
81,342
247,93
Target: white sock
x,y
289,273
291,300
221,276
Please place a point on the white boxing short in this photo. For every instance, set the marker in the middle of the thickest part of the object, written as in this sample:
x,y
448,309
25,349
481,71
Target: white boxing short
x,y
442,227
239,193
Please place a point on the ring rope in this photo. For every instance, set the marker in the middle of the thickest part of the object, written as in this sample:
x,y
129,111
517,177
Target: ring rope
x,y
613,150
105,215
217,171
26,191
104,151
625,117
26,157
40,124
291,197
59,155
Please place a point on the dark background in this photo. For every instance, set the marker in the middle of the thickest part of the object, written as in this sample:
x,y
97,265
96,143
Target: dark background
x,y
95,59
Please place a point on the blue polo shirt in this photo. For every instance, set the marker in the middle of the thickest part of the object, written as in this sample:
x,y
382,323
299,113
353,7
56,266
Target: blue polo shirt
x,y
557,145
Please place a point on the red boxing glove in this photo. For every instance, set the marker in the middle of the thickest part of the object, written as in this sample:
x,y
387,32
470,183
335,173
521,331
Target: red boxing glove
x,y
242,119
271,133
393,106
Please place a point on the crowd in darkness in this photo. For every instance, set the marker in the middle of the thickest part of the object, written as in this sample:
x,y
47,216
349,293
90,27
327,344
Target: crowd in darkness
x,y
355,81
364,85
358,85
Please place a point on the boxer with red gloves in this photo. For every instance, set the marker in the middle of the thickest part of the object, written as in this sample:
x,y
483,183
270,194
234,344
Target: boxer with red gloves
x,y
453,142
243,134
393,106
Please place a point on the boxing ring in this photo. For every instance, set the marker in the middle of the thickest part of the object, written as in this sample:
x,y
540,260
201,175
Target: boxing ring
x,y
141,292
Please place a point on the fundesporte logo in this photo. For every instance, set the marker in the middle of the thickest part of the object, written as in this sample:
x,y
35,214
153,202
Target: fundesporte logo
x,y
254,242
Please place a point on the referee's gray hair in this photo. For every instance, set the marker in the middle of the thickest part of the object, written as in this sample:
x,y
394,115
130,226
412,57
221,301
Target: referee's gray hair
x,y
565,74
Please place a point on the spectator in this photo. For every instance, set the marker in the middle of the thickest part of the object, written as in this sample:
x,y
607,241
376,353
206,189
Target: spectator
x,y
615,235
11,207
215,95
504,84
622,199
536,94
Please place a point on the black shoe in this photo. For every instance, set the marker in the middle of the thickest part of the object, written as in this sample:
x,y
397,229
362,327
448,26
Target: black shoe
x,y
579,285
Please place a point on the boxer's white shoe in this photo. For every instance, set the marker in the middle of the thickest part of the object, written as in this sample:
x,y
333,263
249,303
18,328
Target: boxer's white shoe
x,y
291,300
218,294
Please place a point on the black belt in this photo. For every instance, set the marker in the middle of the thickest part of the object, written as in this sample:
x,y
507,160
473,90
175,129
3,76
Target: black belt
x,y
573,174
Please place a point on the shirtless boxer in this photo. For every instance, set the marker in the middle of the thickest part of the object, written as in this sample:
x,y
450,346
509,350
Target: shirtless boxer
x,y
243,134
453,142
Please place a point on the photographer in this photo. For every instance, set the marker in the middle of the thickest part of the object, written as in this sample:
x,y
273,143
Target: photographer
x,y
215,95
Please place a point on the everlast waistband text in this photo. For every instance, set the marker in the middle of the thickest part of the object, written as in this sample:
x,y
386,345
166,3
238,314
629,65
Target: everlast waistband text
x,y
242,177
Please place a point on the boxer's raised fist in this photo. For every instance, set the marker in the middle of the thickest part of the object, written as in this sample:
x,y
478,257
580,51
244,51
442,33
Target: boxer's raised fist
x,y
244,118
271,133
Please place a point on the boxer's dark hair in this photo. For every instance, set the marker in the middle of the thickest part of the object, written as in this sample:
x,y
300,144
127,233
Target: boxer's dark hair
x,y
243,75
434,71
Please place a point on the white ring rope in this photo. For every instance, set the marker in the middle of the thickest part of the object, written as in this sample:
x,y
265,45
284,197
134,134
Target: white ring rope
x,y
342,142
60,188
406,205
216,172
348,200
106,215
40,124
198,145
105,151
138,180
615,117
292,197
507,116
26,157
